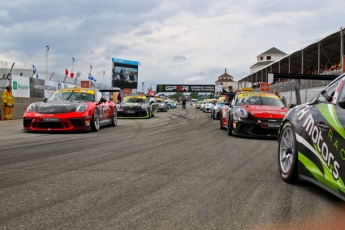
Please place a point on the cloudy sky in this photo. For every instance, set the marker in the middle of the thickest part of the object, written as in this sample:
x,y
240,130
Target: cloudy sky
x,y
180,41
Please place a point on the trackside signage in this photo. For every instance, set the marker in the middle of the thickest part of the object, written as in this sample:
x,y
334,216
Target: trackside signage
x,y
186,88
20,86
49,88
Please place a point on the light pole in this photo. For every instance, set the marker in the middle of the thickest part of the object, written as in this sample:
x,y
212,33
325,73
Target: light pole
x,y
103,77
73,60
90,69
48,47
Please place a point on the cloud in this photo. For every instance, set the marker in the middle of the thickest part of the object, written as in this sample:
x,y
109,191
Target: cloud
x,y
161,34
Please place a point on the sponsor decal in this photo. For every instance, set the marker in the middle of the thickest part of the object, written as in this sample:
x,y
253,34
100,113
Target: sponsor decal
x,y
51,119
318,140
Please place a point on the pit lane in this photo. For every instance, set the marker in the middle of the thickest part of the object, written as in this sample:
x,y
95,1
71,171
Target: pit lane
x,y
177,170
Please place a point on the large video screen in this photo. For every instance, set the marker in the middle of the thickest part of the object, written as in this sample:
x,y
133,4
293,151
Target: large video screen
x,y
125,73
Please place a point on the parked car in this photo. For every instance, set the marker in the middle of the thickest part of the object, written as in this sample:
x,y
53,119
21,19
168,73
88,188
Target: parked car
x,y
254,114
137,107
162,106
70,109
208,105
311,142
216,108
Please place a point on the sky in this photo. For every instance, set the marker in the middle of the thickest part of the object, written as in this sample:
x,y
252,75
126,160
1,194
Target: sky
x,y
175,42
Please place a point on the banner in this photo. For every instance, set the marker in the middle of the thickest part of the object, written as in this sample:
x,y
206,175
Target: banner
x,y
20,86
49,88
36,88
186,88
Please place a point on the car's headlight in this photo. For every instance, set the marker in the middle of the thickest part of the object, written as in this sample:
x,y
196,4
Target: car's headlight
x,y
82,108
144,106
31,108
241,112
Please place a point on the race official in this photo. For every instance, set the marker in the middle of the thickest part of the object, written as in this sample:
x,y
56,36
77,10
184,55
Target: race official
x,y
231,94
7,103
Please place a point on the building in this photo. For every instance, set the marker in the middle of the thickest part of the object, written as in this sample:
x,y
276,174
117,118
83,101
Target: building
x,y
226,80
267,58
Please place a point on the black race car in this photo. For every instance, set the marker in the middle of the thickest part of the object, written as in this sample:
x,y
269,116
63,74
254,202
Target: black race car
x,y
311,142
136,107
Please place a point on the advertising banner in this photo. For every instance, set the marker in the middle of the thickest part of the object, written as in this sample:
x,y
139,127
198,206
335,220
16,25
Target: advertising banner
x,y
85,84
36,88
20,86
65,85
186,88
49,88
4,80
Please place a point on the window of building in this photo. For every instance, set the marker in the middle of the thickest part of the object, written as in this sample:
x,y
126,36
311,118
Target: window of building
x,y
261,58
268,58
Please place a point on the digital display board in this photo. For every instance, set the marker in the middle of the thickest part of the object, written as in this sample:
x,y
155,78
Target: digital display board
x,y
124,73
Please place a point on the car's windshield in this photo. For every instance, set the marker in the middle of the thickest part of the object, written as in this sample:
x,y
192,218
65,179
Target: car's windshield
x,y
134,100
258,99
72,96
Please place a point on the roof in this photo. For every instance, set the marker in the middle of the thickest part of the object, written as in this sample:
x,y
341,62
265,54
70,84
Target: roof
x,y
262,63
325,50
273,50
225,75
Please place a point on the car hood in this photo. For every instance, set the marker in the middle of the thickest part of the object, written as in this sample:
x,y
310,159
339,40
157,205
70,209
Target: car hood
x,y
266,111
134,104
56,106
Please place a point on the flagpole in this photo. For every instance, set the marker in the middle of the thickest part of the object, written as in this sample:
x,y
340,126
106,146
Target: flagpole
x,y
48,47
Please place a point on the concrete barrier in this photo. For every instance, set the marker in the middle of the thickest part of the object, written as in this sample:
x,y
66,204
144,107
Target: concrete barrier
x,y
20,105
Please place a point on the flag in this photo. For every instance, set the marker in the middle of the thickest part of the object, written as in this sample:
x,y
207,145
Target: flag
x,y
34,71
91,78
66,72
72,75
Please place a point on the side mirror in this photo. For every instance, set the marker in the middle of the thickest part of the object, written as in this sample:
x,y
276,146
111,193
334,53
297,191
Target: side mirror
x,y
292,105
45,99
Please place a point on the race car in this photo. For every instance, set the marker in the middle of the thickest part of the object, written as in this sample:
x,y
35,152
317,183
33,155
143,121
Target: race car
x,y
255,114
70,109
197,104
311,142
162,105
136,106
217,108
208,104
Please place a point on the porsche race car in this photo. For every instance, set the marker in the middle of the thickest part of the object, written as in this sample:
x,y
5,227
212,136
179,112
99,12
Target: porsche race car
x,y
255,114
70,109
311,142
136,107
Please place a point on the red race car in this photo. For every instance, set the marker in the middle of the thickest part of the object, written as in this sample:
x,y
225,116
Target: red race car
x,y
71,109
255,114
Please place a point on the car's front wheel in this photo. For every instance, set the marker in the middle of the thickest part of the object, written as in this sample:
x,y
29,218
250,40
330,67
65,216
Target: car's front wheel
x,y
114,118
95,121
287,153
230,127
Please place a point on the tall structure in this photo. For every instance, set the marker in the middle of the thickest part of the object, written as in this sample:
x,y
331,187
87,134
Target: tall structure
x,y
266,58
226,80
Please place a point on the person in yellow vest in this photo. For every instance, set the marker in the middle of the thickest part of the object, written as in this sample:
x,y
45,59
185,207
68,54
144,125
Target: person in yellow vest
x,y
7,103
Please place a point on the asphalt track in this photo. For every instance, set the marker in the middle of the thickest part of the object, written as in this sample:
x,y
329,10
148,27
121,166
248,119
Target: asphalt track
x,y
177,170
